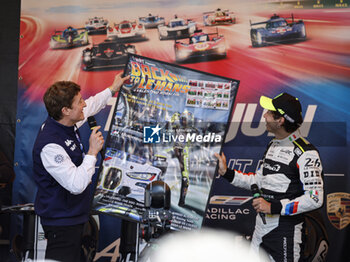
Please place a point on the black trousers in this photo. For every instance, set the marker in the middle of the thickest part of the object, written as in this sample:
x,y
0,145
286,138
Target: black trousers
x,y
63,242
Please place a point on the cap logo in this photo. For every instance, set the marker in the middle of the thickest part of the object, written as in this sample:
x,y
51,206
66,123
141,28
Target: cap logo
x,y
280,111
288,118
278,95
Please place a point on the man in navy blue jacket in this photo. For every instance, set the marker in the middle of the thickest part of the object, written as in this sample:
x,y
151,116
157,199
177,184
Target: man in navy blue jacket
x,y
62,168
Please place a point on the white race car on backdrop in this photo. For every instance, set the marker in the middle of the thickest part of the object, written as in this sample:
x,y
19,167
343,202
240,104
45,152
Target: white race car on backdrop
x,y
177,28
96,25
127,30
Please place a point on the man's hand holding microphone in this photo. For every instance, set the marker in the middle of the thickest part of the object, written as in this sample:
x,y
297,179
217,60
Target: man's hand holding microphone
x,y
259,203
96,141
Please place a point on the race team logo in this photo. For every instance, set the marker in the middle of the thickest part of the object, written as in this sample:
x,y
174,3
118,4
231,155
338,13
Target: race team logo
x,y
338,209
151,134
229,200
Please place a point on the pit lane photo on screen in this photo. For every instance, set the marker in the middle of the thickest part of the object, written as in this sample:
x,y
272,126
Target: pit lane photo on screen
x,y
168,122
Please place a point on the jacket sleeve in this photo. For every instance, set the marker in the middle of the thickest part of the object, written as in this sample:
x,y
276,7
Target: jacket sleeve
x,y
311,177
60,166
243,180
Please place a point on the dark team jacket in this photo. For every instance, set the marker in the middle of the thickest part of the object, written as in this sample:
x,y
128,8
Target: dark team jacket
x,y
55,205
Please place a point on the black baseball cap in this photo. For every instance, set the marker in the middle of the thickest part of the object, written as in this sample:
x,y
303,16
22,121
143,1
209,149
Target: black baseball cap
x,y
286,105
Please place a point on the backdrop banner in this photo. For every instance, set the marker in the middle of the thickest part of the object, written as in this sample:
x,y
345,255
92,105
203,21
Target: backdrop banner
x,y
298,47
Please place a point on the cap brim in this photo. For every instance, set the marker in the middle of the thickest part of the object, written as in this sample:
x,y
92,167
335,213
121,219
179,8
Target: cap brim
x,y
266,103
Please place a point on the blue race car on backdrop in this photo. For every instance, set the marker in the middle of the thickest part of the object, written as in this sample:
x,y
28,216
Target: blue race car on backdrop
x,y
276,30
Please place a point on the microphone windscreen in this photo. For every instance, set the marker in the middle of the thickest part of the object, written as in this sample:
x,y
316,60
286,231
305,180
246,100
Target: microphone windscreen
x,y
255,190
92,122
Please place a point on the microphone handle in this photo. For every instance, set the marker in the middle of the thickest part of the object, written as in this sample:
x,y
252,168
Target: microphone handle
x,y
262,215
92,124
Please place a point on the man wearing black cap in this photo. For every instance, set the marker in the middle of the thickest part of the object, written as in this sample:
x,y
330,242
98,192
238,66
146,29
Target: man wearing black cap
x,y
290,180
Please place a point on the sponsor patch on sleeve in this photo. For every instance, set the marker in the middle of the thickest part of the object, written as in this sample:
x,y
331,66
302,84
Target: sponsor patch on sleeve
x,y
59,158
314,195
291,208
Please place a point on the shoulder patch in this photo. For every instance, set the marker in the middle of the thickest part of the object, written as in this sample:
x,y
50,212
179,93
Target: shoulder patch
x,y
303,145
298,151
59,158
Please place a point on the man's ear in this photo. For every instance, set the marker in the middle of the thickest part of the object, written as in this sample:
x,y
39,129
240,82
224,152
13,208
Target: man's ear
x,y
281,121
65,111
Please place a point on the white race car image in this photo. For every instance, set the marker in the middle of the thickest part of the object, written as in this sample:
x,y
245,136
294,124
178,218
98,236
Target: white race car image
x,y
96,25
127,174
127,30
177,28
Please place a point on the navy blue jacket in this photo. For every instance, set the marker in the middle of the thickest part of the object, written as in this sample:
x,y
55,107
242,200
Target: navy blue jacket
x,y
54,204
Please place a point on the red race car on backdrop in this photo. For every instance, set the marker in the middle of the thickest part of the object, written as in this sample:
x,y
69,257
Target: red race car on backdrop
x,y
200,45
218,17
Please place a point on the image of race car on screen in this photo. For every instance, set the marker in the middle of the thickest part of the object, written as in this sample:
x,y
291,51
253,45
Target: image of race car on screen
x,y
218,17
69,38
127,31
128,174
200,46
151,21
277,30
107,54
96,25
128,167
177,28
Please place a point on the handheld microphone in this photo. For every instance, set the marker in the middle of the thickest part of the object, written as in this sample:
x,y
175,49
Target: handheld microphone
x,y
92,124
256,194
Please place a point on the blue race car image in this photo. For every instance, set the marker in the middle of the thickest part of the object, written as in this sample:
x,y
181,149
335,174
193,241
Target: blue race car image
x,y
69,38
151,21
276,30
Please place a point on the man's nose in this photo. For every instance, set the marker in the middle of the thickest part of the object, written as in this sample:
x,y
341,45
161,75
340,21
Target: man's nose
x,y
265,114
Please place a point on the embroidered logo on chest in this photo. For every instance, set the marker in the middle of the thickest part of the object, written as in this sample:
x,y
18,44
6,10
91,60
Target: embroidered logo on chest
x,y
68,142
73,147
280,154
274,168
